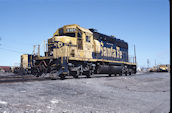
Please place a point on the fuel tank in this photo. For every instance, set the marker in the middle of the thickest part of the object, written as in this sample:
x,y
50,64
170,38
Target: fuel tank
x,y
104,69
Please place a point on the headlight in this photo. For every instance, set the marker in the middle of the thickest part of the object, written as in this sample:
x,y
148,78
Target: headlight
x,y
52,40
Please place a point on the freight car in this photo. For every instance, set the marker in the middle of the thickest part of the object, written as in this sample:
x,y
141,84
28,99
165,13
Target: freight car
x,y
153,69
162,68
76,51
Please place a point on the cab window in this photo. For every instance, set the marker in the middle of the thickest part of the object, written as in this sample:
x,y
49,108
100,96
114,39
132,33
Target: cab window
x,y
87,39
69,34
61,32
79,34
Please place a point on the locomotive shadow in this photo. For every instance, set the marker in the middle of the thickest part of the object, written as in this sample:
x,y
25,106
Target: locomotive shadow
x,y
96,76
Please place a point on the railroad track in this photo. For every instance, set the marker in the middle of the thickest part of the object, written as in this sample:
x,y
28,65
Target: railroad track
x,y
21,78
26,78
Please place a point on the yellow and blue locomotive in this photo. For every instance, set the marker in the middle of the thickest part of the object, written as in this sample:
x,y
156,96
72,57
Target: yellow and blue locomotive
x,y
75,51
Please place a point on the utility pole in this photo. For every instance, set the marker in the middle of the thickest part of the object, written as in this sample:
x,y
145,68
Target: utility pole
x,y
38,51
147,63
44,46
34,46
135,54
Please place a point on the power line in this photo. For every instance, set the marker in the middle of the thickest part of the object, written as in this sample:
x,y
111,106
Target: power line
x,y
0,40
11,50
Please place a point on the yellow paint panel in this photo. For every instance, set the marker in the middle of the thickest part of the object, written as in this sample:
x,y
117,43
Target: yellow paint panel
x,y
24,61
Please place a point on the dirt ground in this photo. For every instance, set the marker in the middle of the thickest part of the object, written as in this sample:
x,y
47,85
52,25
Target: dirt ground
x,y
140,93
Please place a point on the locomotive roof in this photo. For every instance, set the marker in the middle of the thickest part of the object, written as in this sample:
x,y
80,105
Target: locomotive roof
x,y
73,26
109,39
81,28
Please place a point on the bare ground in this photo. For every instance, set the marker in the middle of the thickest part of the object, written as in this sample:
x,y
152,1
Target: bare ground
x,y
140,93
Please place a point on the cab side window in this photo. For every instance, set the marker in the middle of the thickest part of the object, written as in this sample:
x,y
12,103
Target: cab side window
x,y
61,32
79,34
79,40
87,39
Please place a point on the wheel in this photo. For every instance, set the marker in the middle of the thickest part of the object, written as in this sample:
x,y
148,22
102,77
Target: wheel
x,y
125,70
74,74
129,73
54,78
34,71
120,74
88,74
114,74
62,76
126,73
98,70
37,72
110,75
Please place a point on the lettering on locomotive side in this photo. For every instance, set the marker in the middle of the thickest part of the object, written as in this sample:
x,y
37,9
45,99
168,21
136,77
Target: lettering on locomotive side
x,y
110,52
113,53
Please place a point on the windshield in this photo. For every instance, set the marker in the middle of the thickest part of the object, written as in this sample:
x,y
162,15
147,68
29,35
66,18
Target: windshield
x,y
69,34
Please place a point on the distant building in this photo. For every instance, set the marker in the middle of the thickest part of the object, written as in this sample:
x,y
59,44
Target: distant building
x,y
5,68
138,69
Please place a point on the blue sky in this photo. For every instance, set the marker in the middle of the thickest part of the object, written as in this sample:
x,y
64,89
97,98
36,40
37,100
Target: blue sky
x,y
145,24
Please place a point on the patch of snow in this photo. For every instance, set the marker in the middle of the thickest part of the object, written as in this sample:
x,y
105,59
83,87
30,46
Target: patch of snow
x,y
48,107
54,101
23,91
3,102
39,110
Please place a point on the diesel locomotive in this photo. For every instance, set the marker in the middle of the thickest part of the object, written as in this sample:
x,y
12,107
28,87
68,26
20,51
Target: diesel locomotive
x,y
75,51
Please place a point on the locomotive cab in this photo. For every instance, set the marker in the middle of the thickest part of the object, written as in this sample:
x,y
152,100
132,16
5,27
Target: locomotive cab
x,y
71,41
